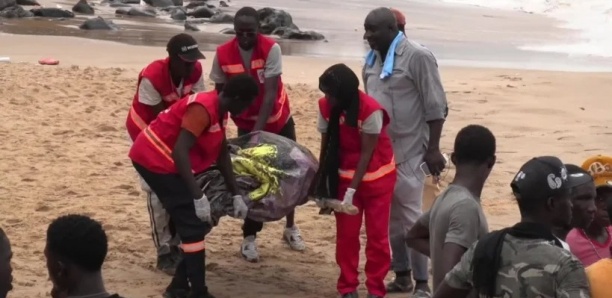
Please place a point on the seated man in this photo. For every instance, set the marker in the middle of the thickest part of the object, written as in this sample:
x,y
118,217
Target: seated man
x,y
75,251
6,271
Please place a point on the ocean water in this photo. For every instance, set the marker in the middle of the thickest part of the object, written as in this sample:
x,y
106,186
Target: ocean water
x,y
591,18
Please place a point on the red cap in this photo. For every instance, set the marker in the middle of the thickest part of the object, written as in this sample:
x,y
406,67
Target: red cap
x,y
399,16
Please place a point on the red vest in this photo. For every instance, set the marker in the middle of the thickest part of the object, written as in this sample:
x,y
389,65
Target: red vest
x,y
152,149
158,73
382,164
230,61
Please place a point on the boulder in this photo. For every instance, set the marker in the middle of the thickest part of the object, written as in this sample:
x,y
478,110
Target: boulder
x,y
159,3
178,14
15,12
201,12
7,3
191,27
52,12
290,33
27,3
98,24
83,7
222,18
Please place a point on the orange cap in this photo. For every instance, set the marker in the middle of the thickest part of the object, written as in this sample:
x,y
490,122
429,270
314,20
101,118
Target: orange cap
x,y
600,167
399,16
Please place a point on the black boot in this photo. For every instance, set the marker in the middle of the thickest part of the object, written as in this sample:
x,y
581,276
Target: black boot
x,y
179,286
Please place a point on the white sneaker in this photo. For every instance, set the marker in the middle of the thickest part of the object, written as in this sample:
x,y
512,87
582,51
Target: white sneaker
x,y
293,237
248,249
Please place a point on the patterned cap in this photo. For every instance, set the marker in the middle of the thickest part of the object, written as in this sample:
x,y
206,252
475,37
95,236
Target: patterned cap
x,y
540,178
600,167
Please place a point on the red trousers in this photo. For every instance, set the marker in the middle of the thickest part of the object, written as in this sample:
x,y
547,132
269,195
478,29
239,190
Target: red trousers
x,y
376,210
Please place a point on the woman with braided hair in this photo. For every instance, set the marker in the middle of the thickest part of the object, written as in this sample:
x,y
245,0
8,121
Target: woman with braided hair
x,y
357,167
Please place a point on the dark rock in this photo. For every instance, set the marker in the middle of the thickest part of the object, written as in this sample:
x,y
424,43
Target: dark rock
x,y
137,12
15,12
194,4
178,14
27,3
270,19
159,3
83,7
177,2
51,12
223,4
7,3
118,4
201,12
191,27
230,31
222,18
131,1
290,33
98,24
211,6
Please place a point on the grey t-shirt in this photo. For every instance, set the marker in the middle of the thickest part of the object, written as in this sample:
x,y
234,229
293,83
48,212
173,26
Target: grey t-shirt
x,y
455,217
272,68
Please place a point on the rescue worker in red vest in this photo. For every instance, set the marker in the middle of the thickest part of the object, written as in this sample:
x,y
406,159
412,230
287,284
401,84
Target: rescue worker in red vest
x,y
183,141
160,85
253,53
357,167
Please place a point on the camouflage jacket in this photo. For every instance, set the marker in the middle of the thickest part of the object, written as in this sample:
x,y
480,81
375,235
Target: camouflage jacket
x,y
530,268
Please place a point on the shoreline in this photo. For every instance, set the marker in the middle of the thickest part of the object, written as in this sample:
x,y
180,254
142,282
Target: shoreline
x,y
82,51
458,35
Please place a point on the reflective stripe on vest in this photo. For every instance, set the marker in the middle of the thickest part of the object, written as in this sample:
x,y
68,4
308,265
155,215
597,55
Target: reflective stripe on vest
x,y
137,119
233,68
279,114
158,144
370,176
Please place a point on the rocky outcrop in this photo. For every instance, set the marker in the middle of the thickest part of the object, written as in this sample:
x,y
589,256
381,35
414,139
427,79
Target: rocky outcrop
x,y
290,33
52,12
222,18
98,24
6,4
14,12
82,7
191,27
160,3
201,12
137,12
27,3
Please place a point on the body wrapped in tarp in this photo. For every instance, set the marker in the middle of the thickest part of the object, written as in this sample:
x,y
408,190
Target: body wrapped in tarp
x,y
273,172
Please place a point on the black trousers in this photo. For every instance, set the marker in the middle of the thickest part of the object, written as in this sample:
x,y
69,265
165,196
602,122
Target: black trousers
x,y
251,227
174,195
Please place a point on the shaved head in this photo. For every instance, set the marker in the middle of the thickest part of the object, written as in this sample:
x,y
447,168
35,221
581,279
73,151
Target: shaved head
x,y
380,29
382,16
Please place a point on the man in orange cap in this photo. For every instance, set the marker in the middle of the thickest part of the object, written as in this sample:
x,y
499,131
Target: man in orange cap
x,y
593,244
401,20
600,167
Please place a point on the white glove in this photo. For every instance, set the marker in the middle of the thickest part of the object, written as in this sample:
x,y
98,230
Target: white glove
x,y
202,209
240,208
348,196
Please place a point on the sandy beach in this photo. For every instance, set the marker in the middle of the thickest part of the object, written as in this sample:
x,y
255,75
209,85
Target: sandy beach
x,y
64,150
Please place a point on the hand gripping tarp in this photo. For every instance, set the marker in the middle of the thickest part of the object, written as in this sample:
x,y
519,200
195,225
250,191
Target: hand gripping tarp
x,y
273,172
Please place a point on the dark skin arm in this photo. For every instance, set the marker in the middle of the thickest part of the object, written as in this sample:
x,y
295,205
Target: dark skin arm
x,y
270,91
321,157
418,239
224,162
368,144
180,155
433,156
445,291
452,253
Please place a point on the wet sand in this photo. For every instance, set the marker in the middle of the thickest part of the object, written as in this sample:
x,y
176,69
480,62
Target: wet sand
x,y
459,35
